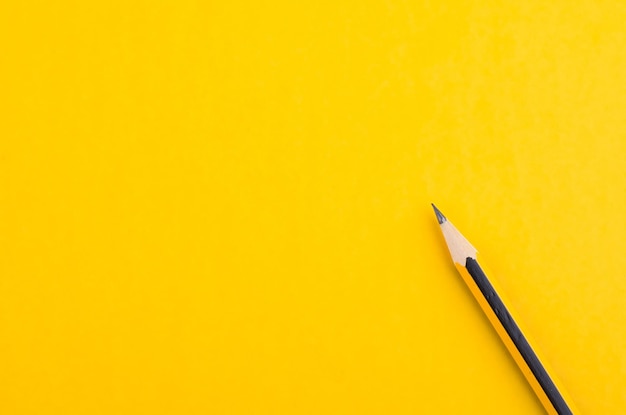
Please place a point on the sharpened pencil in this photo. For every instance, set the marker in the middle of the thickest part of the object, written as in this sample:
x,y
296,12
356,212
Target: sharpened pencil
x,y
465,259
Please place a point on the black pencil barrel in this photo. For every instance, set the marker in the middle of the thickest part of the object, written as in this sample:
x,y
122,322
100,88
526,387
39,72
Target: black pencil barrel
x,y
517,337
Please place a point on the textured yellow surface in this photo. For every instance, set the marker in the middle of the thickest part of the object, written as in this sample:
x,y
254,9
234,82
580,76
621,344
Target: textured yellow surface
x,y
223,208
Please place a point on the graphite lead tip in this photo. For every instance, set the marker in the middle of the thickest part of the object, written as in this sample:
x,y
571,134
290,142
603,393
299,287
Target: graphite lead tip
x,y
440,218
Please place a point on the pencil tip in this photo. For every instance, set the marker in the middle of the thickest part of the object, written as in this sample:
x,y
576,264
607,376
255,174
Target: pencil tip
x,y
440,218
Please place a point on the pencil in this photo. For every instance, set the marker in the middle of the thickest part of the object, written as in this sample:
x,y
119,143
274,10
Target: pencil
x,y
465,259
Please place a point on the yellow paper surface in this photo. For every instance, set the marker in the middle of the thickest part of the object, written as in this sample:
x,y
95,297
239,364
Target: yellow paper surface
x,y
223,207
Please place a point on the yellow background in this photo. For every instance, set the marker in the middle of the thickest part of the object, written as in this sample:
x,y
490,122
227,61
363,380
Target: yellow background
x,y
223,207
